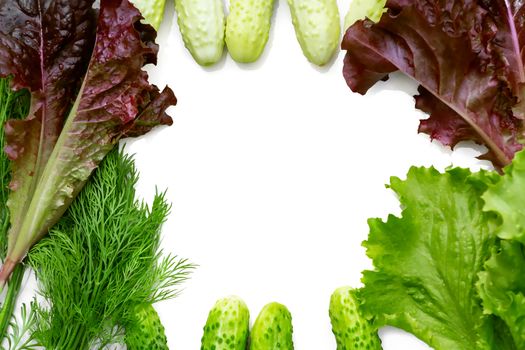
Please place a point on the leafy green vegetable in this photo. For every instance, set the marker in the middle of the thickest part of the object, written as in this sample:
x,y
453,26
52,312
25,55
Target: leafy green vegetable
x,y
96,64
506,199
427,261
146,332
13,105
152,10
21,335
467,57
502,288
102,260
501,285
361,9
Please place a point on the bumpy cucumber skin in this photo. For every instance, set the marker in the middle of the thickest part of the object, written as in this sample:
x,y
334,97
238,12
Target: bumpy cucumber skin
x,y
146,332
361,9
202,24
248,28
272,329
227,326
152,10
352,331
317,27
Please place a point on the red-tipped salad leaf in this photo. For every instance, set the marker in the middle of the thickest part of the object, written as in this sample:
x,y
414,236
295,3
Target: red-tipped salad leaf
x,y
44,50
465,54
509,17
88,90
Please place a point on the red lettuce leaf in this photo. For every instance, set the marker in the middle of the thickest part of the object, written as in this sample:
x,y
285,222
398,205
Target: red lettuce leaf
x,y
457,53
44,46
509,17
111,100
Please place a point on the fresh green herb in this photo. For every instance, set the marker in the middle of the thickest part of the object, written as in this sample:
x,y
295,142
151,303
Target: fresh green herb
x,y
21,335
102,260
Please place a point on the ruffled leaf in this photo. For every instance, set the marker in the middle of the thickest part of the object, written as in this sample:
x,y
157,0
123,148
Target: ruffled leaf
x,y
427,261
502,288
45,47
506,199
114,100
453,51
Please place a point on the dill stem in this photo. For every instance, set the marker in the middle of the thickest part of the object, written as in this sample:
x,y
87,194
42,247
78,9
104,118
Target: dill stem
x,y
8,307
75,340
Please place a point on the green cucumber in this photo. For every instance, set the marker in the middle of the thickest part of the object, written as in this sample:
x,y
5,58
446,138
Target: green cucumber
x,y
146,332
227,326
317,27
351,329
272,329
361,9
202,23
152,10
248,28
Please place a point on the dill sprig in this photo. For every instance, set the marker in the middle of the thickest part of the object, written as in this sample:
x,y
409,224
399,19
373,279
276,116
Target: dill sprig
x,y
102,260
21,335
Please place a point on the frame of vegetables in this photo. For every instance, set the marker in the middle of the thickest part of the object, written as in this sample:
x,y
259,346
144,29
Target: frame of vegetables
x,y
449,269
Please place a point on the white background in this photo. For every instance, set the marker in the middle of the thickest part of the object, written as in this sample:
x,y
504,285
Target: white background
x,y
273,169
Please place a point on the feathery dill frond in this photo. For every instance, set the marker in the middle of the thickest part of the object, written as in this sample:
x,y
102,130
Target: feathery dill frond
x,y
21,335
101,260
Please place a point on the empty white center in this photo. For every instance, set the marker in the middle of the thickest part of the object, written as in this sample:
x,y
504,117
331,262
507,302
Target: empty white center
x,y
273,170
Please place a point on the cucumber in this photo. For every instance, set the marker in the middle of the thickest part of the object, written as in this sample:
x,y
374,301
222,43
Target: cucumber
x,y
361,9
152,10
317,27
351,329
227,326
146,332
202,23
248,28
272,329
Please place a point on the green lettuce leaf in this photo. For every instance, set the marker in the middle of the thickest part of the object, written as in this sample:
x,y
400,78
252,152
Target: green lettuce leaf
x,y
502,288
427,261
506,198
501,285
